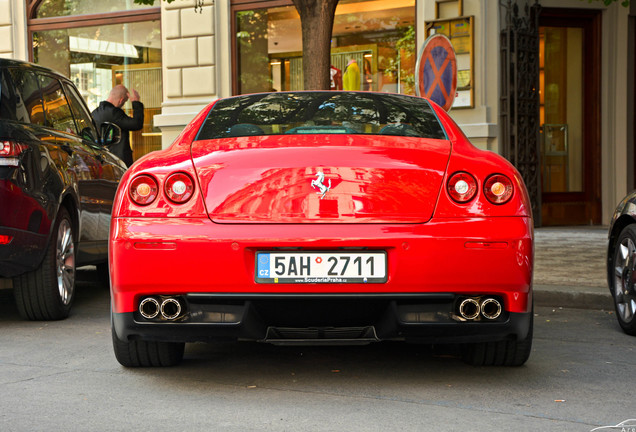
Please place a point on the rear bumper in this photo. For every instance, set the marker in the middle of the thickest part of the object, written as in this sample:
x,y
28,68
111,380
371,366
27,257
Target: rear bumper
x,y
176,256
24,253
316,319
210,268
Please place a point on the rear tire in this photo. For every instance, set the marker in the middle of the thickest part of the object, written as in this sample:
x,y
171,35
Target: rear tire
x,y
622,280
500,353
139,353
47,292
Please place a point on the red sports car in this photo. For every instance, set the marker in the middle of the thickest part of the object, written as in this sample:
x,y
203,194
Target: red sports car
x,y
322,218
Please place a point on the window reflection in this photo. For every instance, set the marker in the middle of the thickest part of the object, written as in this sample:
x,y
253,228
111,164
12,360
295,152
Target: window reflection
x,y
56,8
96,58
58,113
21,90
321,112
378,36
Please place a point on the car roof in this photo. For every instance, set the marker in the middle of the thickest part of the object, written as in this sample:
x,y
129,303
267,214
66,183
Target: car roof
x,y
4,62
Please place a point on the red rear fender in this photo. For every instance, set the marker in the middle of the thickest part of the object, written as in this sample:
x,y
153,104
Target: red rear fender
x,y
159,165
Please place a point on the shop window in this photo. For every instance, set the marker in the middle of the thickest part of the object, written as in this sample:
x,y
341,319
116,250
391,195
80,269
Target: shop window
x,y
100,44
378,36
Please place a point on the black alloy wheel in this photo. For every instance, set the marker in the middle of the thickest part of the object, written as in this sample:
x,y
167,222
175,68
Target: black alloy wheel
x,y
47,292
622,281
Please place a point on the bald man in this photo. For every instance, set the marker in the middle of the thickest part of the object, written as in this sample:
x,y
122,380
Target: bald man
x,y
110,111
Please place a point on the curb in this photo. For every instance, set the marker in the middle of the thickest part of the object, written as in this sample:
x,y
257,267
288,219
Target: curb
x,y
573,297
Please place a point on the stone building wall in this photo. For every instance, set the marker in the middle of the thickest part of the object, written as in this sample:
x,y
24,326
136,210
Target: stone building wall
x,y
6,29
13,29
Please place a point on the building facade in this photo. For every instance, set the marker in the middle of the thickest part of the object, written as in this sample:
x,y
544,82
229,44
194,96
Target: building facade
x,y
184,54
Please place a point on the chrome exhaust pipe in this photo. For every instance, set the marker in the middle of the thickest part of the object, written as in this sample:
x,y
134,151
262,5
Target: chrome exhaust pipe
x,y
491,308
170,308
149,308
469,309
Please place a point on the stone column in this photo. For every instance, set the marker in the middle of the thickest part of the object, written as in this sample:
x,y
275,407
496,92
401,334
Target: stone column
x,y
480,123
13,33
191,70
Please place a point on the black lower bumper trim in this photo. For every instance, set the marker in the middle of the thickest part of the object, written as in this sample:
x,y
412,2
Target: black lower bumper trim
x,y
23,254
423,319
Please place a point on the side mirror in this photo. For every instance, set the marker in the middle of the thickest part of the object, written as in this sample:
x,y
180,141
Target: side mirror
x,y
88,134
110,132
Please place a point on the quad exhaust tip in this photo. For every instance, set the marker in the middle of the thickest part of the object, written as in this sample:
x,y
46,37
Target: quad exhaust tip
x,y
490,308
169,308
149,308
471,308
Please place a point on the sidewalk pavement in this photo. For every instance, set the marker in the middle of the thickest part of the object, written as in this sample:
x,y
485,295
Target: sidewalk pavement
x,y
570,267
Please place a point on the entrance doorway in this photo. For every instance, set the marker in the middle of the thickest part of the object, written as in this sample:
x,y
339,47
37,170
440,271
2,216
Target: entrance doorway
x,y
570,116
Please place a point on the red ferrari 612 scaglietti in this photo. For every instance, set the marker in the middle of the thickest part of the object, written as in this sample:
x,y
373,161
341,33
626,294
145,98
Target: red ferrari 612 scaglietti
x,y
322,218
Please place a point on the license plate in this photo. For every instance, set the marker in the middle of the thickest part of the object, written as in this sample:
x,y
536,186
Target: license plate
x,y
321,267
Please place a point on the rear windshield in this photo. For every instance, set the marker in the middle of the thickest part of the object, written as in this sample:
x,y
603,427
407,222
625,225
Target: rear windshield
x,y
321,113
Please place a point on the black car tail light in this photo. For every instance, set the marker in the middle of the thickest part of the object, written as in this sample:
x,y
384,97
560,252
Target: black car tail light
x,y
498,189
9,152
143,189
462,187
179,187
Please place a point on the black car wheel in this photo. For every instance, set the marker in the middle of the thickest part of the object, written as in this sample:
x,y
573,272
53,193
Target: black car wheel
x,y
622,282
47,292
500,353
140,353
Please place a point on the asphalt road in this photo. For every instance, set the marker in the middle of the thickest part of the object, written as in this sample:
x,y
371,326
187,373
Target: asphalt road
x,y
62,376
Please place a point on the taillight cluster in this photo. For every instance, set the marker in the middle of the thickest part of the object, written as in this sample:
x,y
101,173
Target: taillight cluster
x,y
9,152
462,188
498,188
178,188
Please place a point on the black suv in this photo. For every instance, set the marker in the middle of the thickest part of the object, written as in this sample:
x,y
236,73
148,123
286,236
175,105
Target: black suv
x,y
57,184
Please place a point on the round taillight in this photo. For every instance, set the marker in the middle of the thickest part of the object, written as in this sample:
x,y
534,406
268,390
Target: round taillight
x,y
179,187
143,189
462,187
498,189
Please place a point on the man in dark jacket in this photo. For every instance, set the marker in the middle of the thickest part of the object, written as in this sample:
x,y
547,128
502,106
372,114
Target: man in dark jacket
x,y
110,111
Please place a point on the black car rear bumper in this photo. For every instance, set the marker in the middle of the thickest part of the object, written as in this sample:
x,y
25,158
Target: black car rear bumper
x,y
424,318
24,253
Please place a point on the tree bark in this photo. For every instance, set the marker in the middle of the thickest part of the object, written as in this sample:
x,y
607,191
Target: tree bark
x,y
316,18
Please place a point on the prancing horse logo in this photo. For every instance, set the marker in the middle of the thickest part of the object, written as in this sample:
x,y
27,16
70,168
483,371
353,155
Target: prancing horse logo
x,y
318,184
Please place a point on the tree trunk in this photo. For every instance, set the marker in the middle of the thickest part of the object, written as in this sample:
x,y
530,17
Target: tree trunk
x,y
316,18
